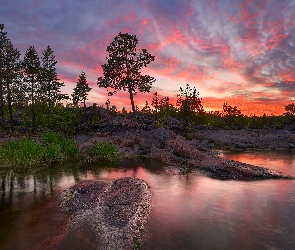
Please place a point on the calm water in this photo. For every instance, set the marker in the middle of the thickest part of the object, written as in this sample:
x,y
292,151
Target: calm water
x,y
188,212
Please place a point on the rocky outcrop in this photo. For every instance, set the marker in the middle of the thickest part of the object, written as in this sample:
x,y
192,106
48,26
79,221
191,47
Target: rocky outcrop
x,y
134,139
248,139
106,215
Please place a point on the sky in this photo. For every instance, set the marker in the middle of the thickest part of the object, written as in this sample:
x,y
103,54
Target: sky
x,y
239,52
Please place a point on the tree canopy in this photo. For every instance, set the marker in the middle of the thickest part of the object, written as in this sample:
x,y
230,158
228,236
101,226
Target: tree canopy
x,y
123,68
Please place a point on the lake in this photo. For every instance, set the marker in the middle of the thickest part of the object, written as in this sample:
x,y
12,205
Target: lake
x,y
188,211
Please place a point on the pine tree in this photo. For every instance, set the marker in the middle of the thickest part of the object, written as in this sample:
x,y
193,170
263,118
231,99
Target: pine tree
x,y
2,65
80,92
122,71
49,83
10,73
31,65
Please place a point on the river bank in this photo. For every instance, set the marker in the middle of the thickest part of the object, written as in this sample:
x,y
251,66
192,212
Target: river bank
x,y
140,136
256,139
166,139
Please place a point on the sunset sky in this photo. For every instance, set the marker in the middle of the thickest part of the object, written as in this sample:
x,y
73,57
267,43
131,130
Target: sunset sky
x,y
237,51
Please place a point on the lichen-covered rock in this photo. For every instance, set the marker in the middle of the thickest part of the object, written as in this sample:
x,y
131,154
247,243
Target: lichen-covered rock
x,y
115,219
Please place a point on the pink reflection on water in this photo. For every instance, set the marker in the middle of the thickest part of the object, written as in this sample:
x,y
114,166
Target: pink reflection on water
x,y
276,160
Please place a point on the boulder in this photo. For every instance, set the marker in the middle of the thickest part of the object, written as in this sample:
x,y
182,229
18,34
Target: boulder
x,y
106,215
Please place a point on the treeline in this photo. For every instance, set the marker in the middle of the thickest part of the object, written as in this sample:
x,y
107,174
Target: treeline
x,y
31,98
30,91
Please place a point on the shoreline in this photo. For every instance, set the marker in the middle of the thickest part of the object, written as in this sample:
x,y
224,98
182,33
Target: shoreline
x,y
141,135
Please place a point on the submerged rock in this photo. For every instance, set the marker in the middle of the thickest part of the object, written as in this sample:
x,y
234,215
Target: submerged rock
x,y
106,215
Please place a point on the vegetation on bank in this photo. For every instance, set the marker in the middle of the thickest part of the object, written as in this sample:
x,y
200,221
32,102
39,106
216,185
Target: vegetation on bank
x,y
106,151
51,147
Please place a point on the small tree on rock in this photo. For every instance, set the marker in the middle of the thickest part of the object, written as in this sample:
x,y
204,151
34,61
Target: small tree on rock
x,y
123,68
81,90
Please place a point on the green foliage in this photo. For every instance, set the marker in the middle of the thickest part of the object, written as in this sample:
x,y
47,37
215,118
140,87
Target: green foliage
x,y
123,68
52,148
62,119
106,151
68,146
185,168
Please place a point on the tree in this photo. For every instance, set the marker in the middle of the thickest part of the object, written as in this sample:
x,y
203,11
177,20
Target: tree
x,y
189,99
31,65
290,108
2,63
123,68
12,75
146,109
155,102
49,83
230,111
9,71
81,90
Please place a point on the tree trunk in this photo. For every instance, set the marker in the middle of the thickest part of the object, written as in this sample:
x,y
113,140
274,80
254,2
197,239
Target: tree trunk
x,y
33,110
131,97
9,104
1,100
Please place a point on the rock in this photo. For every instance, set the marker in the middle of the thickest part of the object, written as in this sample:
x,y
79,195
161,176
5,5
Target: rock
x,y
106,215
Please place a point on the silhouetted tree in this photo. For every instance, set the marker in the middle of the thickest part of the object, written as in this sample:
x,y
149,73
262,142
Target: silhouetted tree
x,y
122,71
3,41
108,104
189,101
146,109
124,111
49,83
9,71
230,111
12,75
81,90
290,108
31,65
155,102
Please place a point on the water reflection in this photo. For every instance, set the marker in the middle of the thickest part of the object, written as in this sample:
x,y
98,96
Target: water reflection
x,y
283,161
188,212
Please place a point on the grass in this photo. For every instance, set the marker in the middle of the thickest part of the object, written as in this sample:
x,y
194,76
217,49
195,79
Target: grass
x,y
52,148
106,151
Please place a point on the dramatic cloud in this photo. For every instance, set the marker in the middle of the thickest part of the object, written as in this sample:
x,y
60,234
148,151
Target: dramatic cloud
x,y
237,51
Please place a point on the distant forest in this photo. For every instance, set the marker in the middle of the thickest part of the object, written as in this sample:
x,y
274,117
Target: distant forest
x,y
31,98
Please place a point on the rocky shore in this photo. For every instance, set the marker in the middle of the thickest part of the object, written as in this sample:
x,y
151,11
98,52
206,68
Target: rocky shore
x,y
104,215
259,139
140,136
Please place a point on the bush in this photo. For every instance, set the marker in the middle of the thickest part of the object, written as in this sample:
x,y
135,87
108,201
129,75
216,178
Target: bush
x,y
106,151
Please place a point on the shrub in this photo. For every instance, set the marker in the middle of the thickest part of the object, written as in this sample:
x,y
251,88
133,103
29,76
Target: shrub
x,y
106,151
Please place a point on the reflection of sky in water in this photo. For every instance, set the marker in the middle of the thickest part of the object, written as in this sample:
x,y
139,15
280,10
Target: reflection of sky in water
x,y
188,211
277,160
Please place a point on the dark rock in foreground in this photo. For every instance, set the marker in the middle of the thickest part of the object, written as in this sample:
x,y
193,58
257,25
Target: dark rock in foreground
x,y
106,215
